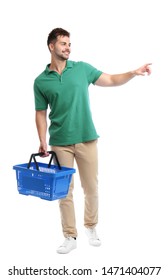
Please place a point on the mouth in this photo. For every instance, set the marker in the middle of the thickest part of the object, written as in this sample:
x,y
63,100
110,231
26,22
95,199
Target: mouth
x,y
66,52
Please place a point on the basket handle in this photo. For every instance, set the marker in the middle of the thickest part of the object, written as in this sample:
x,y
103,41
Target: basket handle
x,y
53,155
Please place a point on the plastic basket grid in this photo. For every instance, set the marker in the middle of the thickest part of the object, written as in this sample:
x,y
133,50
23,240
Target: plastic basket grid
x,y
46,183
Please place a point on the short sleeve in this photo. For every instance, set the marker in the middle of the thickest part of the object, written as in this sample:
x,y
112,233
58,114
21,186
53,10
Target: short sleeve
x,y
41,102
92,73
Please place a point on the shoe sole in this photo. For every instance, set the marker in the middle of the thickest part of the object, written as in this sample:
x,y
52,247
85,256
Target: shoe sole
x,y
95,245
59,252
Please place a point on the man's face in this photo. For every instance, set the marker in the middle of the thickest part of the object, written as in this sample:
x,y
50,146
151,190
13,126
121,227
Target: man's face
x,y
61,48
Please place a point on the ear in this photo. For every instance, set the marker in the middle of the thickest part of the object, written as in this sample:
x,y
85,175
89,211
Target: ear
x,y
51,47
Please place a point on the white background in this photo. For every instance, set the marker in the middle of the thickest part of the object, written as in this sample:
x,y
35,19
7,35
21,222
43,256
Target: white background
x,y
114,36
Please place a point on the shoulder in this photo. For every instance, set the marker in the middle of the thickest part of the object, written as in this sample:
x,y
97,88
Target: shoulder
x,y
85,66
78,63
42,75
71,63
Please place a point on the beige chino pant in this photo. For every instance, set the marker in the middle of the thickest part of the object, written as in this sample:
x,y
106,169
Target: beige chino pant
x,y
86,157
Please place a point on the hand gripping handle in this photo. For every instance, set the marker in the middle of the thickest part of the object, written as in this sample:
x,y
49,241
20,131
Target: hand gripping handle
x,y
53,155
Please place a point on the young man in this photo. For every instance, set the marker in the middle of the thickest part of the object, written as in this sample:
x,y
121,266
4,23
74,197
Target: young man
x,y
63,85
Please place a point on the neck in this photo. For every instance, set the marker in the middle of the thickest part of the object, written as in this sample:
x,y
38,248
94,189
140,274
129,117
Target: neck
x,y
57,66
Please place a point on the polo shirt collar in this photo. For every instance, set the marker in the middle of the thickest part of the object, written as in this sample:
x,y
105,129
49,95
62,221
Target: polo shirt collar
x,y
69,64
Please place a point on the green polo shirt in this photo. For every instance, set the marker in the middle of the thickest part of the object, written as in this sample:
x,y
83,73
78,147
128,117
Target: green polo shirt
x,y
68,98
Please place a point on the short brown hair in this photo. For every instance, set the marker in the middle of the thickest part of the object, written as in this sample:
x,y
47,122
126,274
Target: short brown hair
x,y
55,33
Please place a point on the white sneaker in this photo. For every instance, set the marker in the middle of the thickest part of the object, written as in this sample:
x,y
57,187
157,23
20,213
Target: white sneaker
x,y
68,245
93,238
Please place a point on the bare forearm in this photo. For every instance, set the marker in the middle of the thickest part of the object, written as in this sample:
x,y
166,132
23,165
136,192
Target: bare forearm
x,y
41,124
120,79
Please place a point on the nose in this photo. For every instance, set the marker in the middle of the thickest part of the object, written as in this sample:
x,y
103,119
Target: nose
x,y
67,48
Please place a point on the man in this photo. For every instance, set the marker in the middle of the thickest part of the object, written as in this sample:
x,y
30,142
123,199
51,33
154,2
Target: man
x,y
63,85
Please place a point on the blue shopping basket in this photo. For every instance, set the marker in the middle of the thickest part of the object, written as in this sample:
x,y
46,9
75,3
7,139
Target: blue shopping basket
x,y
47,181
